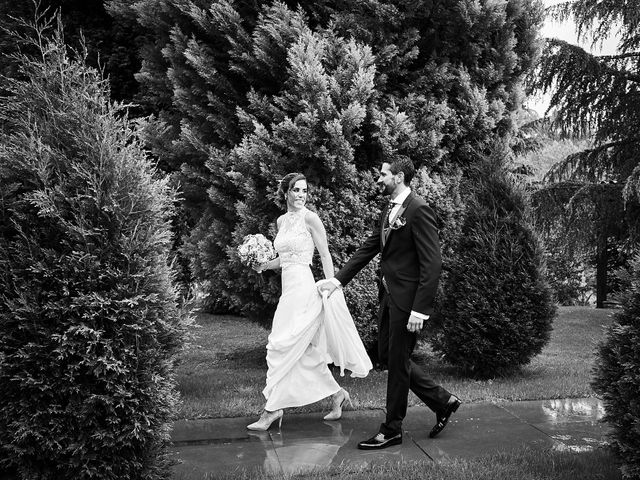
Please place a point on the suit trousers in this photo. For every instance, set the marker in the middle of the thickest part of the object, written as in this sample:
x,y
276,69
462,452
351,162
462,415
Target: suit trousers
x,y
395,346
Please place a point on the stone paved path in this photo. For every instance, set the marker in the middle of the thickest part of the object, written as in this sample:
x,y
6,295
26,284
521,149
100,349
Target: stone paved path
x,y
305,441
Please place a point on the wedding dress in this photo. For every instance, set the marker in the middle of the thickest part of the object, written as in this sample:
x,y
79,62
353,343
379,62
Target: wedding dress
x,y
309,331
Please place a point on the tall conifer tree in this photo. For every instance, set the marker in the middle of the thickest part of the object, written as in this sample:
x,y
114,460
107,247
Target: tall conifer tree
x,y
598,95
89,315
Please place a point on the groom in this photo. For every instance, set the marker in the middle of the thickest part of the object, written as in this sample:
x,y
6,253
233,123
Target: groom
x,y
410,264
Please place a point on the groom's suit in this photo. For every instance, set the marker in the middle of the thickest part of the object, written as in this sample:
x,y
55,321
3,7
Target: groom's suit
x,y
410,265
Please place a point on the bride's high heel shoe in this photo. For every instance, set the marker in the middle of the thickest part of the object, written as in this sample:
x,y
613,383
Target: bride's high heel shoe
x,y
339,399
266,419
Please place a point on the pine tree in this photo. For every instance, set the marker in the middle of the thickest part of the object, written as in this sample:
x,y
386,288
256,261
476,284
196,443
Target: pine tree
x,y
597,94
89,319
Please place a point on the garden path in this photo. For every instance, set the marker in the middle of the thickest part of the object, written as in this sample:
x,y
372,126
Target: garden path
x,y
306,442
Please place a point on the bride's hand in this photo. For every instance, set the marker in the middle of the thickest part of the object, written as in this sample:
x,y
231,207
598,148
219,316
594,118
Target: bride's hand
x,y
261,268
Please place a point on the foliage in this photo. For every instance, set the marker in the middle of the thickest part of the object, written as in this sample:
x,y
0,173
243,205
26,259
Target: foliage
x,y
310,126
571,282
588,225
89,320
597,95
594,93
617,376
497,310
551,151
570,275
112,46
247,91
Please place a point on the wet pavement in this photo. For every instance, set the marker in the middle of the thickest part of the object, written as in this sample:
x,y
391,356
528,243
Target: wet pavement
x,y
306,442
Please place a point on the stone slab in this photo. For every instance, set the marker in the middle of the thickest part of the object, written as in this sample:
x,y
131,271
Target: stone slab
x,y
310,443
200,461
474,430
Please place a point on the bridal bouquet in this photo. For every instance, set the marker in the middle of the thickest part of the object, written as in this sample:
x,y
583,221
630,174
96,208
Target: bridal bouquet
x,y
255,250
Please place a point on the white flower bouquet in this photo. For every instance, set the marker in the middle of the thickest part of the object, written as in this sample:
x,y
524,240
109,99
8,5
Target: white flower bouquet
x,y
255,250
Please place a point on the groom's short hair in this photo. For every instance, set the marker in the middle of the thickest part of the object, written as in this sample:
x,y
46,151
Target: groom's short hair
x,y
404,165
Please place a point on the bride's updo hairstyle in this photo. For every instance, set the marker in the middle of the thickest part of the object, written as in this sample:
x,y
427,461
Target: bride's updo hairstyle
x,y
287,184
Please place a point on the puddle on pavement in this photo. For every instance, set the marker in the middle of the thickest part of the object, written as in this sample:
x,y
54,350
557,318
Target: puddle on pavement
x,y
588,409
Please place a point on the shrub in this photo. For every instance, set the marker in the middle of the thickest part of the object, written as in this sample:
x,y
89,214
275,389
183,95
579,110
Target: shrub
x,y
89,319
496,308
617,376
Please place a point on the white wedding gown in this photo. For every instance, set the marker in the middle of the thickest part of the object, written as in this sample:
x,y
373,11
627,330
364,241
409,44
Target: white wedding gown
x,y
309,331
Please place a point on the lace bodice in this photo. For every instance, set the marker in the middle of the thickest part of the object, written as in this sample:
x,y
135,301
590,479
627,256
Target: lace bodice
x,y
293,242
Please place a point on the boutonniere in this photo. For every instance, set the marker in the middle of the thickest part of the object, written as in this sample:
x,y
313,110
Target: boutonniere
x,y
398,223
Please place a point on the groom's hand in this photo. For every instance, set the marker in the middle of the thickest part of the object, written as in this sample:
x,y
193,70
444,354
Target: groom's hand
x,y
326,286
414,324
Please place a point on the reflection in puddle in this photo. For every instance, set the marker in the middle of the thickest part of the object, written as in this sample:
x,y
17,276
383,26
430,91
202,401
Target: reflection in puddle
x,y
303,455
561,447
585,408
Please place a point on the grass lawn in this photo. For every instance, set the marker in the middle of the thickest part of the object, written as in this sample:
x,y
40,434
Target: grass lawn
x,y
222,373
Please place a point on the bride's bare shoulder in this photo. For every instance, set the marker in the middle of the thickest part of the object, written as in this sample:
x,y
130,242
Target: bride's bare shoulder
x,y
312,219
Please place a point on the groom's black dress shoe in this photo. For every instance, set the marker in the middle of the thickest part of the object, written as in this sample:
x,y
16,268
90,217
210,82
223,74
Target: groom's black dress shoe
x,y
380,441
443,417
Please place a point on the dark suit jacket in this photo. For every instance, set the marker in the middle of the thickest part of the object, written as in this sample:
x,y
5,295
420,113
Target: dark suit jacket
x,y
410,260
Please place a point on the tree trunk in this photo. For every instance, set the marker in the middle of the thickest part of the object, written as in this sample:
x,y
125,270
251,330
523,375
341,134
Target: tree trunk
x,y
601,270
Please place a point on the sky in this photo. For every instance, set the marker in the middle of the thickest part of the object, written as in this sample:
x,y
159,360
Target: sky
x,y
566,31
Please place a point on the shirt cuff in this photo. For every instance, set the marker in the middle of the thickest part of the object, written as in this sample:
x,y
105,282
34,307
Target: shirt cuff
x,y
335,281
421,316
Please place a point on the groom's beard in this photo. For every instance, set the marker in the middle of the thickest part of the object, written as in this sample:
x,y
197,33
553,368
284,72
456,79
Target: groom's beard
x,y
385,189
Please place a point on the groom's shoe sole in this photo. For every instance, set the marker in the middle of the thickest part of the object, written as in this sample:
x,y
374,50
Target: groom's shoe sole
x,y
374,444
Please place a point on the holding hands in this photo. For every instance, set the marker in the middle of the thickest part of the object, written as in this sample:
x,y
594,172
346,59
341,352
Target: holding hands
x,y
326,285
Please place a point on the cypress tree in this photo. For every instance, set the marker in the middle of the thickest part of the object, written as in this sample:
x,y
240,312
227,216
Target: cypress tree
x,y
497,309
89,319
617,375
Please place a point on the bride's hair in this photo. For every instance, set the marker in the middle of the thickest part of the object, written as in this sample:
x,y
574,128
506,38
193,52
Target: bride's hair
x,y
288,181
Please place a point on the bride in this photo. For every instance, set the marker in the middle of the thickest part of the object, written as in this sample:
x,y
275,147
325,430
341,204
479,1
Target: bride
x,y
308,331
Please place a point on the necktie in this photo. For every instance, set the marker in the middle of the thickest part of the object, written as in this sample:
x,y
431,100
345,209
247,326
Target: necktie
x,y
387,218
390,209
